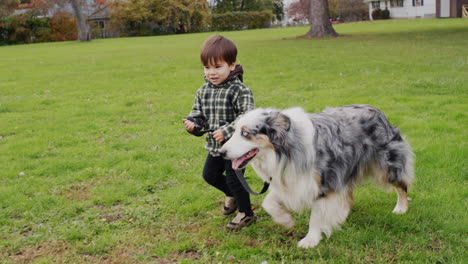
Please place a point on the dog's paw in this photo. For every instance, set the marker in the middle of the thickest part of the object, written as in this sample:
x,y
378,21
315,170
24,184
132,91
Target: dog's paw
x,y
289,224
309,241
401,206
285,220
400,209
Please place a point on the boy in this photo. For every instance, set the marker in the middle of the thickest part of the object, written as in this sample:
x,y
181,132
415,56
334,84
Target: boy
x,y
217,105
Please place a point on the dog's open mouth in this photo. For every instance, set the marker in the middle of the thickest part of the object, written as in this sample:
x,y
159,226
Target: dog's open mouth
x,y
242,162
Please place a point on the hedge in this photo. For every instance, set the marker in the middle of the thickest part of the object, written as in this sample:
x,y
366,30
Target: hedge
x,y
241,20
25,28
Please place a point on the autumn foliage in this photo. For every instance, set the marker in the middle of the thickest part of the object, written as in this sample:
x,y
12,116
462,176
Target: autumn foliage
x,y
25,28
62,27
170,16
47,20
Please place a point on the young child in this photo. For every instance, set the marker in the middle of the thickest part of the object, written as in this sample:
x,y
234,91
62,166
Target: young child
x,y
217,105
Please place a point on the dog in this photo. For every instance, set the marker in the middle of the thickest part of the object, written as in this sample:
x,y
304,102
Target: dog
x,y
313,161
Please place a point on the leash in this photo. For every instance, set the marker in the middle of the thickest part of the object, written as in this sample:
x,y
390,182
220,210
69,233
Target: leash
x,y
198,132
244,183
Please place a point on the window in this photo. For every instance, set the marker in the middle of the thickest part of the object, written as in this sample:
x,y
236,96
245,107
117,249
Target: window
x,y
376,4
396,3
418,2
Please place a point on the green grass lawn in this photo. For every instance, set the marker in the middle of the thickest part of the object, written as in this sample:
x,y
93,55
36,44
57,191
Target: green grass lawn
x,y
95,166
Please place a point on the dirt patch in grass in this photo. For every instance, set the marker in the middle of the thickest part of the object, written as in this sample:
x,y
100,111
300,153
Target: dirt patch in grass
x,y
56,249
123,254
78,191
62,252
177,256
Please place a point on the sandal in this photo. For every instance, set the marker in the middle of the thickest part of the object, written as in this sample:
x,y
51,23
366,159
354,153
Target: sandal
x,y
230,205
240,221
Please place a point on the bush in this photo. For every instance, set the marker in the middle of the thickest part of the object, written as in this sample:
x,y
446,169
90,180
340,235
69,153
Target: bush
x,y
352,10
241,20
20,29
385,14
377,14
63,27
26,28
380,14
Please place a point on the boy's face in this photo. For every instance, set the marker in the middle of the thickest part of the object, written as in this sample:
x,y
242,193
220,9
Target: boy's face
x,y
216,72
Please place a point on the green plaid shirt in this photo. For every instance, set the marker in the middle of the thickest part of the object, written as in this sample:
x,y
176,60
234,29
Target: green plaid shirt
x,y
221,105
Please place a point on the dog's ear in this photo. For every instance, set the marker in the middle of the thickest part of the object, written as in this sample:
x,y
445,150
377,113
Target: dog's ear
x,y
277,127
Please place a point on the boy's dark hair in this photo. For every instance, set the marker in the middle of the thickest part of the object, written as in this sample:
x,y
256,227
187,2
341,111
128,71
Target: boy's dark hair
x,y
218,48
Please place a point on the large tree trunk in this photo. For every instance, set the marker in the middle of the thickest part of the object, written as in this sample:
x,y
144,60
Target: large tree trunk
x,y
320,25
83,27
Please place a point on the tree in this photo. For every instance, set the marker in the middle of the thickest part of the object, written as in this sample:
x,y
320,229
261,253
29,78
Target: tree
x,y
183,16
223,6
83,27
299,10
177,16
7,7
278,9
320,25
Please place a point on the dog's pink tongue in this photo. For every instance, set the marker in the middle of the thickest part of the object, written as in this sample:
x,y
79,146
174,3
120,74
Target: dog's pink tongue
x,y
237,162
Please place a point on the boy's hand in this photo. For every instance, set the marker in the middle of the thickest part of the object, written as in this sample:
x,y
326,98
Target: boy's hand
x,y
189,125
218,135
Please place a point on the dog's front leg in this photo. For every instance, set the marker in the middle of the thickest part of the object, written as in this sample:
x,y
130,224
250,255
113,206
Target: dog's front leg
x,y
327,214
314,235
277,211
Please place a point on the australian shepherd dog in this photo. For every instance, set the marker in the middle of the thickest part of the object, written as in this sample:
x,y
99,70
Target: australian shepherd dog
x,y
314,161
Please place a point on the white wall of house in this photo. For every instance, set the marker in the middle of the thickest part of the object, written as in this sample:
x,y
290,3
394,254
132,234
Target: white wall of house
x,y
426,10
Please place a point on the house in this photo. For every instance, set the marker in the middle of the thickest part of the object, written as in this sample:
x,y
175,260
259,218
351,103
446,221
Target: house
x,y
419,8
98,17
95,11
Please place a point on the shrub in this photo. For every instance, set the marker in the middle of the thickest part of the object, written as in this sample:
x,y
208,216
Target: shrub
x,y
26,28
352,10
385,14
19,29
63,27
241,20
377,14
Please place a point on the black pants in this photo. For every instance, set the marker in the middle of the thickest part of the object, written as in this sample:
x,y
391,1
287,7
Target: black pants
x,y
213,173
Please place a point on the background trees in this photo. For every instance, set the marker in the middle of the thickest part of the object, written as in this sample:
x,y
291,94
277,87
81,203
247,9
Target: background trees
x,y
7,7
347,10
351,10
319,19
49,20
227,6
143,17
83,27
35,21
244,14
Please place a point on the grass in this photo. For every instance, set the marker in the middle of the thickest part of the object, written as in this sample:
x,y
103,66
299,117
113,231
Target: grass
x,y
95,166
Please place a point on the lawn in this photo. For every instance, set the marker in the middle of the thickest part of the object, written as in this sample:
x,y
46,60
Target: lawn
x,y
95,166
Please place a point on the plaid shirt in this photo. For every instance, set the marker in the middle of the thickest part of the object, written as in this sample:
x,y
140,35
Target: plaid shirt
x,y
221,105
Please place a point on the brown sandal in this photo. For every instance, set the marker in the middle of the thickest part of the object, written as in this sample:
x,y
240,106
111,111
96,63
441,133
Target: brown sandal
x,y
230,205
240,221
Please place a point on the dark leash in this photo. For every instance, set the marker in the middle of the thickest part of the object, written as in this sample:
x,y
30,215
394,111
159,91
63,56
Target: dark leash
x,y
244,183
198,127
198,132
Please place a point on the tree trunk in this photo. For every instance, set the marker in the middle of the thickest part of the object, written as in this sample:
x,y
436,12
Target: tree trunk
x,y
320,25
83,27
